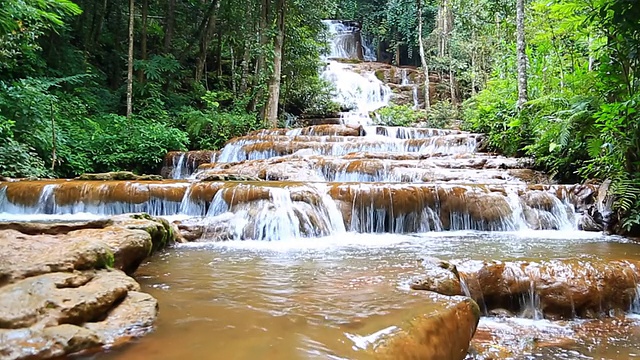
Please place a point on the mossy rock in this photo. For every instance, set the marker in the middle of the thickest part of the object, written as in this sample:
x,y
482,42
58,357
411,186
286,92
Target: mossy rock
x,y
117,175
348,60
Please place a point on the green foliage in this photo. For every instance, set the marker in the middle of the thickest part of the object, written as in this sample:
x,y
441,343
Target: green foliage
x,y
493,112
15,15
582,119
398,115
211,129
18,160
441,115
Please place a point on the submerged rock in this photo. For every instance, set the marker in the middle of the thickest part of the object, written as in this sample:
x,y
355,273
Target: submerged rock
x,y
442,332
63,287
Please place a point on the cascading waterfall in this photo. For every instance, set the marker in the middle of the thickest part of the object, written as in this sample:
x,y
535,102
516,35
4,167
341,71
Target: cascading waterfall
x,y
635,305
406,81
179,167
272,211
359,93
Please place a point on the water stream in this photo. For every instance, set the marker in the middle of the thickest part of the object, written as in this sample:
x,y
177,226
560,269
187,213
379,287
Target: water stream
x,y
325,298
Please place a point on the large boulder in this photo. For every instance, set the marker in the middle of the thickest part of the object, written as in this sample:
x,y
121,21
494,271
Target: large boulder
x,y
63,287
443,330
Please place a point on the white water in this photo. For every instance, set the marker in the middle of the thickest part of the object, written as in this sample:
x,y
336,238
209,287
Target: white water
x,y
360,93
299,211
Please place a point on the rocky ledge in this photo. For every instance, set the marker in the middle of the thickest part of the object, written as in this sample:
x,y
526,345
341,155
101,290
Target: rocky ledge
x,y
64,287
554,289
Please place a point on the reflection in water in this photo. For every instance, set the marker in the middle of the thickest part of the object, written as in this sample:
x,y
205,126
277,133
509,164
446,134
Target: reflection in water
x,y
331,297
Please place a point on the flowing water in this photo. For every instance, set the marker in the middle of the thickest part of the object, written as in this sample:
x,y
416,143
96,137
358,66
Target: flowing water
x,y
328,297
357,92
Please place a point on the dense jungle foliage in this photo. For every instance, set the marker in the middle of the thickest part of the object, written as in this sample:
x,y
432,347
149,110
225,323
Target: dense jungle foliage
x,y
204,71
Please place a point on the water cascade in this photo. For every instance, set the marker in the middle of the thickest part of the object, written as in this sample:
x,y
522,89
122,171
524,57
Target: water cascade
x,y
357,93
406,81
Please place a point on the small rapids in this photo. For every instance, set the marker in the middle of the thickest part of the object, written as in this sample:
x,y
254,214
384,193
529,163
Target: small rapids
x,y
336,296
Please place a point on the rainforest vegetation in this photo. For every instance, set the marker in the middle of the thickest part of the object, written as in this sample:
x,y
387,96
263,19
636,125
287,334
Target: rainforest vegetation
x,y
100,85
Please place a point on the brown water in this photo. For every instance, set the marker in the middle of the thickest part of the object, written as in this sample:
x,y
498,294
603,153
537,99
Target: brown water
x,y
322,298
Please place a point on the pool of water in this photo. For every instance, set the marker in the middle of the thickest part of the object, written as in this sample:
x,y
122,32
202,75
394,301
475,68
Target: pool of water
x,y
328,298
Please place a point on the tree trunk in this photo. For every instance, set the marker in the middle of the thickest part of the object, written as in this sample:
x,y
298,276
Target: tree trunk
x,y
130,60
473,61
423,60
54,156
168,25
260,62
522,54
271,110
234,87
143,40
244,72
452,84
98,29
204,43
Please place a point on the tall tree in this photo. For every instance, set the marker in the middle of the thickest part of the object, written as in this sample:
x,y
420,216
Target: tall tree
x,y
132,10
521,49
206,38
271,110
423,60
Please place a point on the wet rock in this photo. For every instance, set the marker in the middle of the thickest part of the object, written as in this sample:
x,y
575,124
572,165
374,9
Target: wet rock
x,y
133,317
561,288
118,175
178,164
63,290
588,223
43,343
443,332
190,230
498,312
228,177
34,228
440,276
122,245
62,298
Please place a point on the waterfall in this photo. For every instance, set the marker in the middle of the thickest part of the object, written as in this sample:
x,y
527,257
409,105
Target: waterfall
x,y
406,81
358,93
179,167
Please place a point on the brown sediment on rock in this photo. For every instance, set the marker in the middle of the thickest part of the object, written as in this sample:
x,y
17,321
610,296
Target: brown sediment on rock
x,y
34,228
318,130
563,288
69,192
118,175
444,331
66,289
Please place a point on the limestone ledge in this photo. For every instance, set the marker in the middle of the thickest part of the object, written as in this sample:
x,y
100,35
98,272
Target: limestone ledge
x,y
562,289
64,287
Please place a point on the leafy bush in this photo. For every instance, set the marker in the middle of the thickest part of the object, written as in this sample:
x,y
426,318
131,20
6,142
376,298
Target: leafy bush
x,y
311,96
137,144
493,112
18,160
211,129
398,115
441,114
